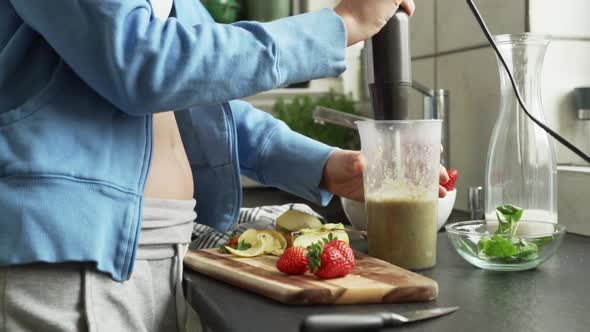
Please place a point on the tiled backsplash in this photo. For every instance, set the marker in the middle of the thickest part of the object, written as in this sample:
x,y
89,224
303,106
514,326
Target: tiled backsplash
x,y
464,64
456,27
423,34
422,72
472,79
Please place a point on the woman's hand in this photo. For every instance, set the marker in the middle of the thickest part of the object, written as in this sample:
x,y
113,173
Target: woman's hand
x,y
364,18
343,175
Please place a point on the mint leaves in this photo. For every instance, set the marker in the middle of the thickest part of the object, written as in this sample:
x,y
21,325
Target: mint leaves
x,y
504,246
508,216
498,247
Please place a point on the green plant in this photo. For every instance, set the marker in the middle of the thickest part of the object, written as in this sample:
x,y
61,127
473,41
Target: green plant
x,y
297,114
223,11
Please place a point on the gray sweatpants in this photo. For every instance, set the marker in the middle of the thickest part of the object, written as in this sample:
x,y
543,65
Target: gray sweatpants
x,y
75,297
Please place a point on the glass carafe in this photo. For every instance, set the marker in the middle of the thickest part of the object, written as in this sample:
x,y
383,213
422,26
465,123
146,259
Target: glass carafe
x,y
521,168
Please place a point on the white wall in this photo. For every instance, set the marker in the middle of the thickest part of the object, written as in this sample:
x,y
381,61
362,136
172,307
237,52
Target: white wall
x,y
573,192
567,65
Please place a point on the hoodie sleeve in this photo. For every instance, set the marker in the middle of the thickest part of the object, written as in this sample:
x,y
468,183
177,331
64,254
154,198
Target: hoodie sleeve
x,y
143,64
274,155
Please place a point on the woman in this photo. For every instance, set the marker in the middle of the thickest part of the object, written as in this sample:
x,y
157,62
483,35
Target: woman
x,y
100,177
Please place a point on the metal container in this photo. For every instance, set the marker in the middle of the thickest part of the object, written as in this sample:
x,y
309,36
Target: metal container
x,y
437,106
583,103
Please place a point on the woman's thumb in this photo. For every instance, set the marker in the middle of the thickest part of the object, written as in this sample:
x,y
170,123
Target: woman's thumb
x,y
359,162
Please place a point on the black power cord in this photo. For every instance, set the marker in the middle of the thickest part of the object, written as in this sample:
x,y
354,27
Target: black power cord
x,y
555,135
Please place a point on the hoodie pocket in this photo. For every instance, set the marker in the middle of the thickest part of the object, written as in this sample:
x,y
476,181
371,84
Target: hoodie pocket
x,y
35,103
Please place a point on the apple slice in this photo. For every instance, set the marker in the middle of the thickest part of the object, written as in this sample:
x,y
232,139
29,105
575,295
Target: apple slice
x,y
307,237
279,243
293,220
249,236
256,249
261,242
330,227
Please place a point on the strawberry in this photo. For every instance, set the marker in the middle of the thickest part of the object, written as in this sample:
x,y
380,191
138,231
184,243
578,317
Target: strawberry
x,y
453,175
331,259
293,261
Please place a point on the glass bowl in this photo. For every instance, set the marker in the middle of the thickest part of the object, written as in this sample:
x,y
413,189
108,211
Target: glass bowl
x,y
533,244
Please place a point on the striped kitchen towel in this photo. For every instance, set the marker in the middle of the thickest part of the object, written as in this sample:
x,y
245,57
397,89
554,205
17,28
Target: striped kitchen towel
x,y
263,217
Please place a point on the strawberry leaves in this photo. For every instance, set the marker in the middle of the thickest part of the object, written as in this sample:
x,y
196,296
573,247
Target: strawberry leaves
x,y
315,251
330,258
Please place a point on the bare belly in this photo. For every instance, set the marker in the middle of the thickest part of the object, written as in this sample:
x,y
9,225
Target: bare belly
x,y
170,175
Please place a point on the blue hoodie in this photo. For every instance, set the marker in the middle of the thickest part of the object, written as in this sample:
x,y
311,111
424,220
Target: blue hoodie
x,y
79,83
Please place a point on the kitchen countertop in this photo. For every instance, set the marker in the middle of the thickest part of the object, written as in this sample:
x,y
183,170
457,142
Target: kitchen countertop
x,y
553,297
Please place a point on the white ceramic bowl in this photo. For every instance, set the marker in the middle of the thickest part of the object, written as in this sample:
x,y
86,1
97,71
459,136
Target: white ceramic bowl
x,y
356,214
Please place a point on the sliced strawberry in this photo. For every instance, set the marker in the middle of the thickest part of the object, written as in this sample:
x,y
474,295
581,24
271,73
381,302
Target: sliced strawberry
x,y
331,259
293,261
233,242
453,176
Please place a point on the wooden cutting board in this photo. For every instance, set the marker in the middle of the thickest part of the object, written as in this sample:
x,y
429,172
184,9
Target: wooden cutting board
x,y
372,281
